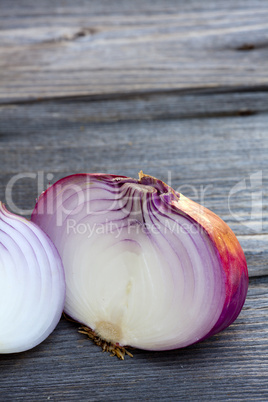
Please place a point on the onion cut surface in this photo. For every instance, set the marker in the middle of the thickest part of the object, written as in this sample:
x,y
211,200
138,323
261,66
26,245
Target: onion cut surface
x,y
32,284
144,265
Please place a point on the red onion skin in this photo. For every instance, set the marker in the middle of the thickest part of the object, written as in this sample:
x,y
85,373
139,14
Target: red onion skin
x,y
227,247
231,255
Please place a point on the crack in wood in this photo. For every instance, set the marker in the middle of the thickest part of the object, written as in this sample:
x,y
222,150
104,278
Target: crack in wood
x,y
248,46
143,95
69,37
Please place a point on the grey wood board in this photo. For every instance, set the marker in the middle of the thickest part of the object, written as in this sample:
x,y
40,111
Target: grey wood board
x,y
204,159
178,89
77,49
143,106
231,366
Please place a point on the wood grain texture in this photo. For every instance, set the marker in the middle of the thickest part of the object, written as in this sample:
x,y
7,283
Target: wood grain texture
x,y
205,159
178,89
91,48
231,366
150,106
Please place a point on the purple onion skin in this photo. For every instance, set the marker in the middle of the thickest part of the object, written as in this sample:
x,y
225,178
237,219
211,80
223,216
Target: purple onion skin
x,y
231,256
224,241
226,246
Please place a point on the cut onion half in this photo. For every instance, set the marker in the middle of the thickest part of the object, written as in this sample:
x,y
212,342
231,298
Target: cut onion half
x,y
32,284
144,265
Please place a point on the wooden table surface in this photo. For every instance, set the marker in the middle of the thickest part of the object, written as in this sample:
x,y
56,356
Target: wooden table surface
x,y
179,90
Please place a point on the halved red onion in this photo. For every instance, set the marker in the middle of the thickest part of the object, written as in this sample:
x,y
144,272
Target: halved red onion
x,y
32,284
144,265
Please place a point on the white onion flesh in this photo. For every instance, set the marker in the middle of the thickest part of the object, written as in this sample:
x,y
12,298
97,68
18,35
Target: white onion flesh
x,y
32,284
131,285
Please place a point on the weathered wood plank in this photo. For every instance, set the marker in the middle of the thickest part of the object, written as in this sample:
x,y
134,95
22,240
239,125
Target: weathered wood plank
x,y
82,49
178,89
231,366
205,159
151,106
